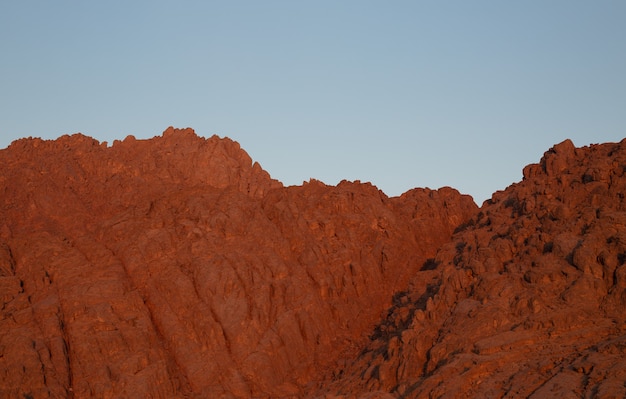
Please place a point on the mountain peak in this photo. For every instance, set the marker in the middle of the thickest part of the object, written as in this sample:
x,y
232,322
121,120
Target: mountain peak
x,y
176,267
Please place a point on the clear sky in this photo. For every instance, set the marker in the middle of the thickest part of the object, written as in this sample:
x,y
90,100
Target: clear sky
x,y
399,93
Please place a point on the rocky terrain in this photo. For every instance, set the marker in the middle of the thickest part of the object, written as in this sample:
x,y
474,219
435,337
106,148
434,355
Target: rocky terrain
x,y
527,300
176,267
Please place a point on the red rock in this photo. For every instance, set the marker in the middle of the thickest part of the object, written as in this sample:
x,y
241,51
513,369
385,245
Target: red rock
x,y
176,267
526,300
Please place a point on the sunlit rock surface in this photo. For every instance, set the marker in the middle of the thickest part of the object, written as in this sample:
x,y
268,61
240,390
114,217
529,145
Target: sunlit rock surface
x,y
176,267
526,301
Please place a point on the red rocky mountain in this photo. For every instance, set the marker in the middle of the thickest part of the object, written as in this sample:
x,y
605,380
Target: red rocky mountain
x,y
176,267
528,299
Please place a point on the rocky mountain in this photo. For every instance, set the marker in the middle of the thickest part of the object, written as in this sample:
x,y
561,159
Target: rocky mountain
x,y
527,300
176,267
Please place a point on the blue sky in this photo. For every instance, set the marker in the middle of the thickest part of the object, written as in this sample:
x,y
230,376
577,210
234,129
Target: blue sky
x,y
399,93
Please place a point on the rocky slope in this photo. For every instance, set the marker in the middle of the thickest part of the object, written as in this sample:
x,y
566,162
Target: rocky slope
x,y
527,300
176,267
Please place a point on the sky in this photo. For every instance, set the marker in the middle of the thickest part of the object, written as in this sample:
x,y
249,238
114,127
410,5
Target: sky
x,y
401,94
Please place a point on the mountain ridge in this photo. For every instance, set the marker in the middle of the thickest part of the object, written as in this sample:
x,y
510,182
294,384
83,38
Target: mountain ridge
x,y
527,299
177,267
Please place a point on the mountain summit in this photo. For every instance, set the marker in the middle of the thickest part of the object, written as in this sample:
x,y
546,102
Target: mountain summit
x,y
177,267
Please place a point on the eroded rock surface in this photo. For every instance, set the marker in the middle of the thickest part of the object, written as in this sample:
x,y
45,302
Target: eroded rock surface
x,y
176,267
527,300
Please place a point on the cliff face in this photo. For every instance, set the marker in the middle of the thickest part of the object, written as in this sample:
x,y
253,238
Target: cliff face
x,y
527,300
175,267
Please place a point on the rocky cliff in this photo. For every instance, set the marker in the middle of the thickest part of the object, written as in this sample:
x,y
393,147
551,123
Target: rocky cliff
x,y
176,267
527,300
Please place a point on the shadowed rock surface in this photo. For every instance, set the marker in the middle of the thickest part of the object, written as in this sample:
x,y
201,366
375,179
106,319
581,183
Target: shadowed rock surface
x,y
176,267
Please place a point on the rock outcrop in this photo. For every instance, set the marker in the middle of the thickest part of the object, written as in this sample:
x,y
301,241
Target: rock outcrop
x,y
526,301
176,267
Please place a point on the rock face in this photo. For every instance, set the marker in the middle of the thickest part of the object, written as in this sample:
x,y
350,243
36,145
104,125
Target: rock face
x,y
176,267
527,300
